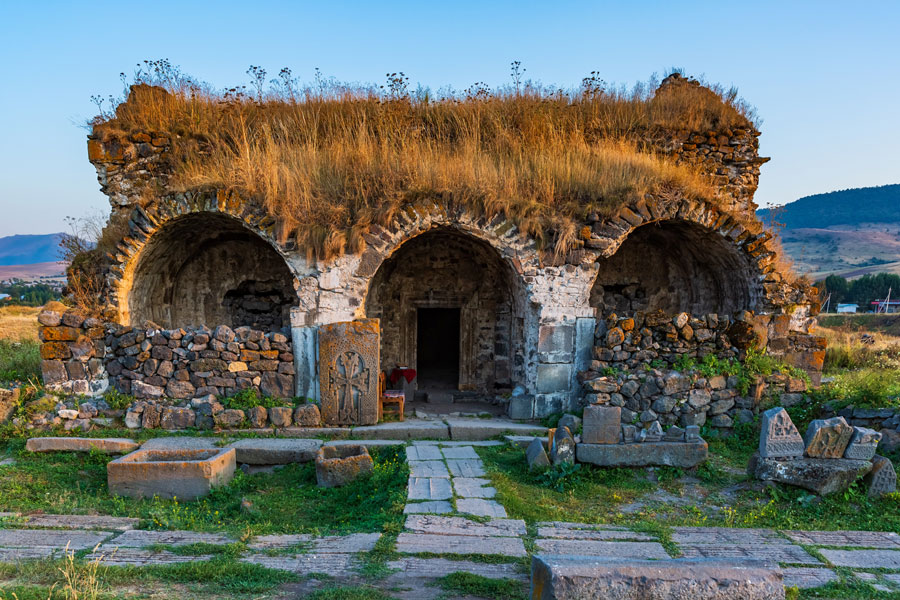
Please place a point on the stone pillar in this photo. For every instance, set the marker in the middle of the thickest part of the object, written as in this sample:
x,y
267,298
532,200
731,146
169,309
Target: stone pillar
x,y
305,343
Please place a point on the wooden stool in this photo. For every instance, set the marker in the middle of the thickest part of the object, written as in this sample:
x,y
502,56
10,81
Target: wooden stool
x,y
389,398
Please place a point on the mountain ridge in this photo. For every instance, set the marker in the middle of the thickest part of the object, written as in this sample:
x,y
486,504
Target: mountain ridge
x,y
27,249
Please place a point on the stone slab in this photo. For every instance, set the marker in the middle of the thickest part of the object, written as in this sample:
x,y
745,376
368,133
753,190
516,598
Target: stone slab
x,y
72,444
437,507
601,424
275,451
473,487
181,443
411,429
183,474
313,432
466,468
555,577
483,429
481,508
14,555
673,454
452,444
417,543
51,539
139,538
725,536
779,437
461,526
602,548
536,455
863,559
138,557
333,565
778,553
820,475
429,488
522,441
348,372
580,531
862,539
79,522
460,452
335,544
827,438
428,468
863,444
368,444
807,577
424,453
432,568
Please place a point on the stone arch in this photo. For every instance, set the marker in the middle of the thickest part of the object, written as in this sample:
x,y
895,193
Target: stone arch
x,y
455,268
202,263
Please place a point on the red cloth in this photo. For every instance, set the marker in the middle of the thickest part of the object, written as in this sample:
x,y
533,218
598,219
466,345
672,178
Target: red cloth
x,y
408,374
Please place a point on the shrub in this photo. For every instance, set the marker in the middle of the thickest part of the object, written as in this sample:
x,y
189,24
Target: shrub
x,y
20,360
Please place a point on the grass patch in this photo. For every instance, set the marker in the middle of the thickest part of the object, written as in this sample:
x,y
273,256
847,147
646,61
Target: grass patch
x,y
483,587
359,592
20,360
286,501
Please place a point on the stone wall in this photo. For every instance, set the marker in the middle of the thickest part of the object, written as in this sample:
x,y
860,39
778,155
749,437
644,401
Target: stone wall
x,y
72,350
184,364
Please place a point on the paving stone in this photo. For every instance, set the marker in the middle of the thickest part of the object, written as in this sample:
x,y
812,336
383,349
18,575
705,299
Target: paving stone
x,y
893,578
864,559
779,553
866,576
180,443
72,444
50,538
136,538
335,544
437,507
461,526
415,543
862,539
368,444
428,468
483,429
481,508
807,577
451,444
466,468
334,565
411,429
460,452
423,453
473,487
580,531
522,441
429,488
139,557
80,522
433,568
312,432
725,535
275,451
601,548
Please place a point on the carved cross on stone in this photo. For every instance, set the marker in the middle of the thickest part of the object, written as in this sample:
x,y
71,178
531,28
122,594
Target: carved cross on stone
x,y
348,372
349,377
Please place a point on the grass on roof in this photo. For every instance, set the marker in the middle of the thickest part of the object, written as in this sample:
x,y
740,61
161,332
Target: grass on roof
x,y
330,160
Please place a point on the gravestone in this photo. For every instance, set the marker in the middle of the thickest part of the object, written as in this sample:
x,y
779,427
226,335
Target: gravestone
x,y
653,433
779,438
628,433
601,424
828,438
535,454
348,372
863,444
563,450
692,433
882,479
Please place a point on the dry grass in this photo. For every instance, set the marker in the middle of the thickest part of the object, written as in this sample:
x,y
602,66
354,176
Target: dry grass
x,y
19,322
327,163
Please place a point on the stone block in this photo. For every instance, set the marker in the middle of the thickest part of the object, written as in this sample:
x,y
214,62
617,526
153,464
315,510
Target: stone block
x,y
339,465
863,444
280,416
483,429
779,438
258,416
556,343
348,376
828,438
820,475
561,577
480,507
882,479
521,407
562,450
275,451
535,454
601,424
673,454
73,444
176,418
553,378
307,415
411,429
185,474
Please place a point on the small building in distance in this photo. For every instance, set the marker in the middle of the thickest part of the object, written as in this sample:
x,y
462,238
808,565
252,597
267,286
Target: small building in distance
x,y
847,308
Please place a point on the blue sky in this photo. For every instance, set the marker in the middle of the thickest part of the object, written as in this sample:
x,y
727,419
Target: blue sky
x,y
824,76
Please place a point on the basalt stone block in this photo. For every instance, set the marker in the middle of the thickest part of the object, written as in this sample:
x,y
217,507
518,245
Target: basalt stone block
x,y
536,455
280,416
601,424
185,474
257,417
563,448
230,417
307,415
863,444
69,444
820,475
779,438
177,418
277,451
674,434
556,577
339,465
349,363
882,479
828,438
673,454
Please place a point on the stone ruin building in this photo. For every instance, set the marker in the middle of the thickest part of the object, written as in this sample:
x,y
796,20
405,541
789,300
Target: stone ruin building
x,y
470,303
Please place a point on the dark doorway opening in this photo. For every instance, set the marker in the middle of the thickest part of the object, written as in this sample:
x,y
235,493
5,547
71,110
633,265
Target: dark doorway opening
x,y
437,347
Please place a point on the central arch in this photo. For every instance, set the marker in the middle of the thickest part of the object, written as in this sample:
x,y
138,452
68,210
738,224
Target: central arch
x,y
452,308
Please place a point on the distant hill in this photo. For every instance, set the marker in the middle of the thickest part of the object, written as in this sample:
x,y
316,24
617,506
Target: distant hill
x,y
29,249
848,232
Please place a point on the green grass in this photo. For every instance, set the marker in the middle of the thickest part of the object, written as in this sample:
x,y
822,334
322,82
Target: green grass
x,y
360,592
286,501
483,587
20,360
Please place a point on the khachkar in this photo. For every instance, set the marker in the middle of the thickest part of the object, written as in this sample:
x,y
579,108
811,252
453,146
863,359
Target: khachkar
x,y
348,372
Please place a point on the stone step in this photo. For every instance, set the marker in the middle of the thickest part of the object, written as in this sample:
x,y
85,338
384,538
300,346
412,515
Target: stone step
x,y
411,429
483,429
417,543
333,565
431,568
73,444
583,547
462,526
78,522
335,544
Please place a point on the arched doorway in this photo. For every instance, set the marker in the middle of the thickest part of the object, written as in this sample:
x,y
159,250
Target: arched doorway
x,y
451,308
675,266
210,269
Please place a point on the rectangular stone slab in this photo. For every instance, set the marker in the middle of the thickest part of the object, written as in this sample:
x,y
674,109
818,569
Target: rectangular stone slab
x,y
182,474
437,507
138,557
334,544
139,538
673,454
555,577
334,565
863,559
429,488
601,424
483,429
274,451
461,526
480,507
69,444
349,364
428,468
807,577
439,567
80,522
863,539
415,543
51,539
411,429
580,531
601,548
779,553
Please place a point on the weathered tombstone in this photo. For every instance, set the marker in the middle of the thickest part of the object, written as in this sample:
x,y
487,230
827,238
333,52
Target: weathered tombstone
x,y
692,433
863,444
601,424
779,438
535,454
628,433
348,372
674,434
882,479
563,450
653,433
828,438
